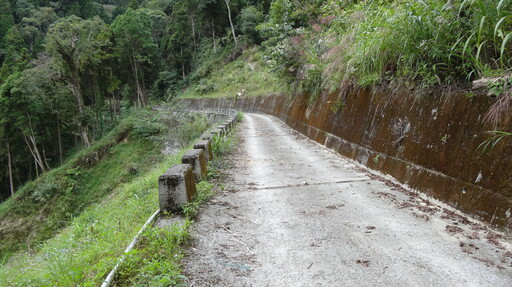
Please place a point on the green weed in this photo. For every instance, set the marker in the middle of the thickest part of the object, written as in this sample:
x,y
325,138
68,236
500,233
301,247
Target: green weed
x,y
493,140
89,213
156,259
204,193
239,116
222,145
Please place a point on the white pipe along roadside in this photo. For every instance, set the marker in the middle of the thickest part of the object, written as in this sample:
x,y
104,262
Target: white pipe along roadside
x,y
112,273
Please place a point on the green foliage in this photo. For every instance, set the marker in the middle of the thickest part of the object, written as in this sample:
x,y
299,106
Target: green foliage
x,y
423,43
191,127
148,125
222,145
500,86
79,74
249,75
156,259
204,193
250,17
136,47
494,138
78,42
64,192
6,20
179,44
239,116
281,39
103,207
205,87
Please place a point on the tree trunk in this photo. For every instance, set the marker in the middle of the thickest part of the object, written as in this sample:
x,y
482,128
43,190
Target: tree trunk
x,y
37,169
44,158
32,147
11,182
40,158
213,36
97,125
141,92
182,63
117,106
110,108
74,82
84,134
193,24
30,141
59,138
231,22
30,171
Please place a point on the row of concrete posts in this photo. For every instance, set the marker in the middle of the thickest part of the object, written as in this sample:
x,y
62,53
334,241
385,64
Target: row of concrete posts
x,y
177,186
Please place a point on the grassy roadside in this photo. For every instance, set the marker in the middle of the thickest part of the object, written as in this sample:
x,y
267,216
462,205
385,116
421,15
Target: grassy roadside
x,y
73,222
42,207
155,261
84,253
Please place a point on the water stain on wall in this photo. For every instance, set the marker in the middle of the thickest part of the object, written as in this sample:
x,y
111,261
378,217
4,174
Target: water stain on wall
x,y
429,142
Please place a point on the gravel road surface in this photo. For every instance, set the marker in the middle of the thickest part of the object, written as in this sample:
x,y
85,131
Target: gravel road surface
x,y
294,213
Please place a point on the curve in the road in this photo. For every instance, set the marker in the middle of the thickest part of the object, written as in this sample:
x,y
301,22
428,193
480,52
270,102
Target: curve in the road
x,y
296,214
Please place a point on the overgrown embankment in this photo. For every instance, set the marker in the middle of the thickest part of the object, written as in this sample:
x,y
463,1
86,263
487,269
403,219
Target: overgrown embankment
x,y
113,165
84,252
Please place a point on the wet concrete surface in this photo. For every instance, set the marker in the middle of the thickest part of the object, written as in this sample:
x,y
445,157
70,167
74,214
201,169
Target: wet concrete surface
x,y
296,214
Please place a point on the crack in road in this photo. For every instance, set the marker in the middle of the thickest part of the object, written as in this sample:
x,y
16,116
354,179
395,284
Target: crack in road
x,y
307,184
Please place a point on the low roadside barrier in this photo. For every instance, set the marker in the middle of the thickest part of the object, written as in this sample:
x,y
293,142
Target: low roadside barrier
x,y
177,186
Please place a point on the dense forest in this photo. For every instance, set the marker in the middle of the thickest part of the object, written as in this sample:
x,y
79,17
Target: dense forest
x,y
85,86
70,69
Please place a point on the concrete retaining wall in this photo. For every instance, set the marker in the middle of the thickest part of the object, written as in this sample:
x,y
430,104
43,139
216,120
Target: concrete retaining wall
x,y
428,142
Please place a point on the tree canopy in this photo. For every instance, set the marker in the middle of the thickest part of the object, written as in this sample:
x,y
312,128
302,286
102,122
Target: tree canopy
x,y
69,68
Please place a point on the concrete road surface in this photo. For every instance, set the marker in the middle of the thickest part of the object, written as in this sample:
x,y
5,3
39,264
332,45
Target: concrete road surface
x,y
296,214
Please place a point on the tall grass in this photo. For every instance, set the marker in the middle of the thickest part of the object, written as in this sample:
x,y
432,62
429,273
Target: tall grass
x,y
419,43
103,205
427,42
86,251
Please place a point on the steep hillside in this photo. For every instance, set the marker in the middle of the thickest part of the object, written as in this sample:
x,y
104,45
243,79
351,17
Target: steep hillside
x,y
41,208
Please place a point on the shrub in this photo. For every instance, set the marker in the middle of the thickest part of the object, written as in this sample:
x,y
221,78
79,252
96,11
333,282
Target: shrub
x,y
368,42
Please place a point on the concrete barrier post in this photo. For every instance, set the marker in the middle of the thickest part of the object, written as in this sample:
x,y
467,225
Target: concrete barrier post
x,y
220,131
222,126
206,146
206,136
176,187
228,125
196,158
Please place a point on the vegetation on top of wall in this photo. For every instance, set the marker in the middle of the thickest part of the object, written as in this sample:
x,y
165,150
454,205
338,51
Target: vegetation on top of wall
x,y
248,75
408,43
316,46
